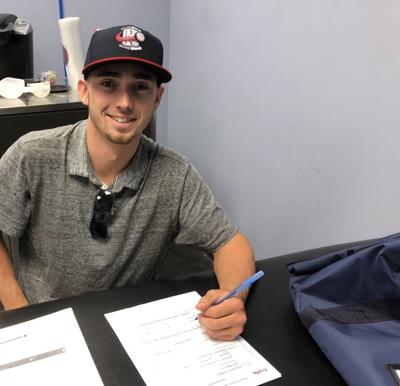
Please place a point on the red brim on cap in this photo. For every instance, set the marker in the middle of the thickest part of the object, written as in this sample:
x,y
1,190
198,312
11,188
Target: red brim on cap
x,y
161,73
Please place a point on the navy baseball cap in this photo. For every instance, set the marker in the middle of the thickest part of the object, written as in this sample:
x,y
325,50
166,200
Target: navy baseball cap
x,y
126,43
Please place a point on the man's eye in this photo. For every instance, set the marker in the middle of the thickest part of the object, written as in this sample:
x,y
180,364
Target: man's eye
x,y
142,87
107,83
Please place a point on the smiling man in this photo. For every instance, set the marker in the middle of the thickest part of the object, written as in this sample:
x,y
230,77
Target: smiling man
x,y
122,98
96,204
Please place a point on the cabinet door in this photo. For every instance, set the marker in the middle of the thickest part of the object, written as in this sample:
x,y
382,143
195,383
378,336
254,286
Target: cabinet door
x,y
13,126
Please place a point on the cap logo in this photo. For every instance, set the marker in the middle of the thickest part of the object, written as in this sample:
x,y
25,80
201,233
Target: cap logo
x,y
130,38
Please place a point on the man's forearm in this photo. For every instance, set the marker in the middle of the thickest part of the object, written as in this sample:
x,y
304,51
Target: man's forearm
x,y
11,294
234,263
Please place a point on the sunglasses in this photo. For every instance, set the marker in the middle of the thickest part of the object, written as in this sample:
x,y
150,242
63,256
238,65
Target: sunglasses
x,y
102,213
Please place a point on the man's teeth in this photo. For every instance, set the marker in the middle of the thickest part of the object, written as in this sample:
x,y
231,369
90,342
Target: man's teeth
x,y
122,120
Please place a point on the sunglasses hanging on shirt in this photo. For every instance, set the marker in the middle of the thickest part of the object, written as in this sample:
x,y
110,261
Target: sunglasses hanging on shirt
x,y
102,213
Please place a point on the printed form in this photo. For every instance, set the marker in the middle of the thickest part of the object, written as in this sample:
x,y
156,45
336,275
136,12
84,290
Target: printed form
x,y
168,346
46,351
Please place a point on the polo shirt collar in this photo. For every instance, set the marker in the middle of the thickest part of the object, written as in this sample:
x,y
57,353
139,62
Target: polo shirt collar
x,y
78,162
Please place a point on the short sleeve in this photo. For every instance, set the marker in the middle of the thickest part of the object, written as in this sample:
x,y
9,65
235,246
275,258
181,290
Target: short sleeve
x,y
202,221
14,193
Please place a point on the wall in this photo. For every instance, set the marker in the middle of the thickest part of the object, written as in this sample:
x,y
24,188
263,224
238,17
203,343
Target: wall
x,y
290,110
43,15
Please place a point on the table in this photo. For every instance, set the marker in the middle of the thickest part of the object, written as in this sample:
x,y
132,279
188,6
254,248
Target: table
x,y
273,327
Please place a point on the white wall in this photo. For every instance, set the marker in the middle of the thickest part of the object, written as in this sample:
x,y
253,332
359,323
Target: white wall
x,y
291,109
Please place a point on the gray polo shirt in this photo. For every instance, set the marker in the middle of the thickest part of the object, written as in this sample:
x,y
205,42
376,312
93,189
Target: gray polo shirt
x,y
47,192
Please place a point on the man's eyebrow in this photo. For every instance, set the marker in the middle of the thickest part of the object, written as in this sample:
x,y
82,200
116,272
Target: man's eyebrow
x,y
107,73
116,74
143,75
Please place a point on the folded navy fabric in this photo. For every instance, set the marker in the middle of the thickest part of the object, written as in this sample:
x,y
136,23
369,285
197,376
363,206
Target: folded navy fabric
x,y
350,303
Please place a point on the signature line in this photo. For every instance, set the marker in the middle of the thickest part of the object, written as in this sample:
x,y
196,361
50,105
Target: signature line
x,y
12,339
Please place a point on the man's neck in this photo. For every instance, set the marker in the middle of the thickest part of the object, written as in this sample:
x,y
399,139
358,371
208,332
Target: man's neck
x,y
109,159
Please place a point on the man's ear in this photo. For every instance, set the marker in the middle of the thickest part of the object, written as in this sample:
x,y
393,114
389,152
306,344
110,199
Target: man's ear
x,y
83,91
160,92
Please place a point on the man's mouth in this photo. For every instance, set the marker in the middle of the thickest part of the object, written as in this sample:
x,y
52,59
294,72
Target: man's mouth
x,y
121,119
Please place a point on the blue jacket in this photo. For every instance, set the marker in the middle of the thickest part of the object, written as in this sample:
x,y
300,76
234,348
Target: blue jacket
x,y
350,303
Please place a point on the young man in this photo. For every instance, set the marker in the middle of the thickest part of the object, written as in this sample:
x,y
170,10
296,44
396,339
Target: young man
x,y
95,204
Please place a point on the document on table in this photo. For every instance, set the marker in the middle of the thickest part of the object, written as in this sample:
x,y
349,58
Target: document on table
x,y
46,351
168,346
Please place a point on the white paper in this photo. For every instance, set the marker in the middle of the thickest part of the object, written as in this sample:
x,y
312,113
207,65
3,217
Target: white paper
x,y
46,351
168,346
72,44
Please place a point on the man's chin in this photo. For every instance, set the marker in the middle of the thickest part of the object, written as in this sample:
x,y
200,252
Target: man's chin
x,y
123,139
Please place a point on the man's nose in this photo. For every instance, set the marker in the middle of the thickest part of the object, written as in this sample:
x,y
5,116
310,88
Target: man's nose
x,y
125,101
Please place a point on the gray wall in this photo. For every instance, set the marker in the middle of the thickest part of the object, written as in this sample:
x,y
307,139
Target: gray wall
x,y
291,110
43,16
288,108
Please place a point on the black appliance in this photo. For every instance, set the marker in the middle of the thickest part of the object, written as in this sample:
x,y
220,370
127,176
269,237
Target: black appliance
x,y
16,47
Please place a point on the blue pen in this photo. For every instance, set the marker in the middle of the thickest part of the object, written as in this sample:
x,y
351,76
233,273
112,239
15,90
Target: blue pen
x,y
246,284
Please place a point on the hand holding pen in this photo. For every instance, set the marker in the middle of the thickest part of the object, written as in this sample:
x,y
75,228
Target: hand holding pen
x,y
227,320
246,284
